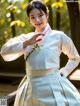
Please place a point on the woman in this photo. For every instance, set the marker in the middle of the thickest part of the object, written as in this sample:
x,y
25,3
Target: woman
x,y
44,85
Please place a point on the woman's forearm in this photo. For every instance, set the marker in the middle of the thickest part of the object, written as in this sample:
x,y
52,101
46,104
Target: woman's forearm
x,y
26,44
70,66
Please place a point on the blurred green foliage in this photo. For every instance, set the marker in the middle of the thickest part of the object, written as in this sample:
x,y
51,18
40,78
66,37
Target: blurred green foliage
x,y
21,21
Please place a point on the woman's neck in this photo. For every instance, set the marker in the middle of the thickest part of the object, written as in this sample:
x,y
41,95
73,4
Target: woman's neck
x,y
41,30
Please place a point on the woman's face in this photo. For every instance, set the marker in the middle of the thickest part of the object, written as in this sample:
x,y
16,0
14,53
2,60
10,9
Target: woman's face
x,y
38,19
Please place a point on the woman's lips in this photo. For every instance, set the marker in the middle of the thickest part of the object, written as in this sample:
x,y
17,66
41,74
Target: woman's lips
x,y
38,24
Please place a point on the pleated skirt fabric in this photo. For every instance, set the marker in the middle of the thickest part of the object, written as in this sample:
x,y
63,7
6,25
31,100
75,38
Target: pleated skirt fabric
x,y
50,90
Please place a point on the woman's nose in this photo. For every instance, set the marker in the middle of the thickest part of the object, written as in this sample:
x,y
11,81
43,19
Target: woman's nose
x,y
37,19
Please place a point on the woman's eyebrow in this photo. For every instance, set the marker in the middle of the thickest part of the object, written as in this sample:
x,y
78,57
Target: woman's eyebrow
x,y
35,15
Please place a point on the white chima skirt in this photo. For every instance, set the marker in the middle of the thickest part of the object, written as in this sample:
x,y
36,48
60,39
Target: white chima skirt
x,y
50,90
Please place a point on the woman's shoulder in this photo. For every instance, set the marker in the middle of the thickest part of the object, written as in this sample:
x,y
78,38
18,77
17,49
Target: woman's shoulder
x,y
57,32
60,34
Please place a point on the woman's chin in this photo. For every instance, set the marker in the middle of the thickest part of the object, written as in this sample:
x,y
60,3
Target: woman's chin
x,y
40,28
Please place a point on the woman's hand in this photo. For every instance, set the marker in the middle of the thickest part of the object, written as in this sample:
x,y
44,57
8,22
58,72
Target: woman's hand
x,y
36,38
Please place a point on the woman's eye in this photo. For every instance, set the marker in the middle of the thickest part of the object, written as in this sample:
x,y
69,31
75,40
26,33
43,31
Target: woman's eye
x,y
32,17
40,15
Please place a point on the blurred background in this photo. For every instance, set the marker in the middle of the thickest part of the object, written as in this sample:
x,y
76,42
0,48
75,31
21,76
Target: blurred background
x,y
64,15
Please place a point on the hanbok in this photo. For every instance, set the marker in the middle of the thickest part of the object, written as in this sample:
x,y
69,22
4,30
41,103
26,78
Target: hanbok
x,y
43,84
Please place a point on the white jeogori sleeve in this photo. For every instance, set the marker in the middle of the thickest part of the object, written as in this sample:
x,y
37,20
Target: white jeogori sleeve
x,y
69,49
13,48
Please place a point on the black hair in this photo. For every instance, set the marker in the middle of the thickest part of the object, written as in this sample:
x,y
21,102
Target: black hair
x,y
38,5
